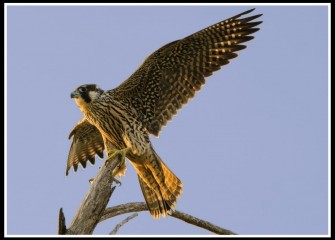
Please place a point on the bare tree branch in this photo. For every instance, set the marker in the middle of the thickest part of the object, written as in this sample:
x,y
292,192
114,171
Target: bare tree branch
x,y
95,201
61,223
201,223
140,206
93,208
117,227
122,209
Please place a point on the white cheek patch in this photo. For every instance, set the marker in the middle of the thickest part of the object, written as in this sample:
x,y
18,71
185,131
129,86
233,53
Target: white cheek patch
x,y
93,95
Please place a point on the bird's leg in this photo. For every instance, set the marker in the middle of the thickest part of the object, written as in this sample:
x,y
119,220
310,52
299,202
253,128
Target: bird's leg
x,y
121,168
111,154
114,180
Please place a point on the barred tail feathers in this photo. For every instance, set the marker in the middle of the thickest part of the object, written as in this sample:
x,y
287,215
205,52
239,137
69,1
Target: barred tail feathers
x,y
159,185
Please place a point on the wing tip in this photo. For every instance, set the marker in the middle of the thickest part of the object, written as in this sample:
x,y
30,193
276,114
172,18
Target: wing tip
x,y
71,134
101,154
248,11
245,13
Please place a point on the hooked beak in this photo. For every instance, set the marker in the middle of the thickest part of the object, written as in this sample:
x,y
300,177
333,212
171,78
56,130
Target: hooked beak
x,y
75,94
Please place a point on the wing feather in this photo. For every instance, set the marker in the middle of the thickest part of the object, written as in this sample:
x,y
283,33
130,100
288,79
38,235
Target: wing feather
x,y
173,74
87,142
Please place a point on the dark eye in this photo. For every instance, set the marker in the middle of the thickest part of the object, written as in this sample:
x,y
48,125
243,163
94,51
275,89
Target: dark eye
x,y
82,89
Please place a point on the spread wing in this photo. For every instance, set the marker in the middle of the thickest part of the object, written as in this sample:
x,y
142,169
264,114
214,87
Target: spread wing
x,y
172,75
87,142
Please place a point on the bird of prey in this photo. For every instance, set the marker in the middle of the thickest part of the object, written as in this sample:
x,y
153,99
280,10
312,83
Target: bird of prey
x,y
120,120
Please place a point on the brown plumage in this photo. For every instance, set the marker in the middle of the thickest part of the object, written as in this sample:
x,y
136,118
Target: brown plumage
x,y
87,142
125,116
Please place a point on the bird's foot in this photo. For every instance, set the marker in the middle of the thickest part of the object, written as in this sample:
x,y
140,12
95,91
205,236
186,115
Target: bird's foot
x,y
121,168
117,181
114,180
114,152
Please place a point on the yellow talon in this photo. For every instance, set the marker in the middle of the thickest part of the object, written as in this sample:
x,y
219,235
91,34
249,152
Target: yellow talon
x,y
120,170
114,152
114,180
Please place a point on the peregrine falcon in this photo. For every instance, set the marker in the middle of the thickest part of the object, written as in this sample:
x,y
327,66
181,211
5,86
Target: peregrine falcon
x,y
120,120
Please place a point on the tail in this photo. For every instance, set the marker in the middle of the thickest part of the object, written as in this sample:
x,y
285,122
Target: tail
x,y
159,185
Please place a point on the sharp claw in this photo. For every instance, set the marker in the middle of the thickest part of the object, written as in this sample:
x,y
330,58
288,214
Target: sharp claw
x,y
117,181
113,153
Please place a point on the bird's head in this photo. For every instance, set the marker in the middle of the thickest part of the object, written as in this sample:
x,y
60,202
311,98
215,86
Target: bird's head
x,y
86,94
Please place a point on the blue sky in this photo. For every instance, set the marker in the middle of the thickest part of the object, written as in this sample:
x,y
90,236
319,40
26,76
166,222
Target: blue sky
x,y
251,148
